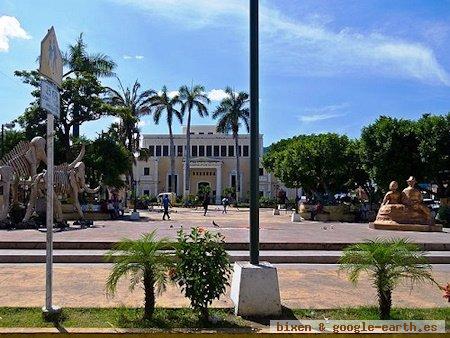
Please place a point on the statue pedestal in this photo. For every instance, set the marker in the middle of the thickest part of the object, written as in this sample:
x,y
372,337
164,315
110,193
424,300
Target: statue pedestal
x,y
404,218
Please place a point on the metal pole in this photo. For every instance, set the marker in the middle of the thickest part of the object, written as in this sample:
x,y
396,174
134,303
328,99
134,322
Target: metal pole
x,y
3,140
254,134
49,214
135,196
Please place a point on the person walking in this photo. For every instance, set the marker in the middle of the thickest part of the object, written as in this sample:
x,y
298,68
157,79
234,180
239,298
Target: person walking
x,y
205,203
225,203
166,204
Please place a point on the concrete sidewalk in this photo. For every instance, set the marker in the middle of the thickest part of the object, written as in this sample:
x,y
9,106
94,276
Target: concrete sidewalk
x,y
302,286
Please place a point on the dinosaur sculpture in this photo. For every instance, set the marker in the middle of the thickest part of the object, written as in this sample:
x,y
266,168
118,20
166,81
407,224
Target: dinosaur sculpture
x,y
69,179
20,163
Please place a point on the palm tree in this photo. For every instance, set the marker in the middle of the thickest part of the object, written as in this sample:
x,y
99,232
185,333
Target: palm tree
x,y
144,261
135,104
231,112
192,98
387,261
160,103
78,60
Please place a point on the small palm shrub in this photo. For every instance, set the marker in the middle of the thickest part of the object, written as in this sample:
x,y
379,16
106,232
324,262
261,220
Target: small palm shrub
x,y
145,262
387,262
202,269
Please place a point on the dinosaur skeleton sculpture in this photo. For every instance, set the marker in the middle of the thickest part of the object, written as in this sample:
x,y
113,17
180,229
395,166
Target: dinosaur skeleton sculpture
x,y
69,179
20,163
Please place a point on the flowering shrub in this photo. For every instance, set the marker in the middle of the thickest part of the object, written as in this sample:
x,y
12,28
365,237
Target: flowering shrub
x,y
203,268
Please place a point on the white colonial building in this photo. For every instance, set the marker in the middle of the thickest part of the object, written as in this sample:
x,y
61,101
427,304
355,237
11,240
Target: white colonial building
x,y
213,163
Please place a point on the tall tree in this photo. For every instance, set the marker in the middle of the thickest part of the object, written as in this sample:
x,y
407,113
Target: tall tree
x,y
390,151
193,98
135,104
232,112
160,103
78,60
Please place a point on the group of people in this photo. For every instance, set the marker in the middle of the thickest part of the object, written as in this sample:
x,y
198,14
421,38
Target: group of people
x,y
205,203
115,208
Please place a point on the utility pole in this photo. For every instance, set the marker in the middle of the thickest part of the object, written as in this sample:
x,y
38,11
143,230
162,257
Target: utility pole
x,y
254,133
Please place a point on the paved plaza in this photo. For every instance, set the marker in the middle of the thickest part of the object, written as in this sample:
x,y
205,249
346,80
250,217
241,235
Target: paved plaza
x,y
234,226
301,285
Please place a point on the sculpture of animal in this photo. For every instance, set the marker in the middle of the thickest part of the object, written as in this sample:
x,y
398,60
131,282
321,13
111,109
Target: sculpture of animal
x,y
20,163
69,179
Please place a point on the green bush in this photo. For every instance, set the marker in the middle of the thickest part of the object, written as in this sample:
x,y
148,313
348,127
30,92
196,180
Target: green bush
x,y
443,215
202,268
267,202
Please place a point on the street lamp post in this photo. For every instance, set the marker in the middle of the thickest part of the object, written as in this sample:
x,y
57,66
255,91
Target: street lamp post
x,y
254,286
135,195
8,126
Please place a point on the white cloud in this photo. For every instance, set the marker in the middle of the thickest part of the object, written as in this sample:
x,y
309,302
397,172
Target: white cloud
x,y
217,94
10,28
322,113
131,57
305,46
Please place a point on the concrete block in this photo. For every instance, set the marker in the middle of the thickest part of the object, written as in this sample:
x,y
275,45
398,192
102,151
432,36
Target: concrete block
x,y
296,217
276,211
135,216
255,291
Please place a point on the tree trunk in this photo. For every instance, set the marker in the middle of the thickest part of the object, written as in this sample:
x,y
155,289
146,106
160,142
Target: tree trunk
x,y
205,314
384,301
149,290
172,161
238,168
187,183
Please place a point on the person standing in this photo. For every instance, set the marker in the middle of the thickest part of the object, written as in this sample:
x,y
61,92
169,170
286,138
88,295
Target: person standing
x,y
205,203
166,204
225,203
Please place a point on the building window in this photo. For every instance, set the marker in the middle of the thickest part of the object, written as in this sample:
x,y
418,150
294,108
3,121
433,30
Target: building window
x,y
233,181
201,133
223,151
146,171
158,151
201,150
165,150
240,151
230,151
147,192
216,151
175,183
261,172
194,151
180,151
209,151
246,149
151,151
210,133
261,193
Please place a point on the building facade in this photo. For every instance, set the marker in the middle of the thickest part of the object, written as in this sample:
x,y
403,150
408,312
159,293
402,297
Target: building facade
x,y
213,164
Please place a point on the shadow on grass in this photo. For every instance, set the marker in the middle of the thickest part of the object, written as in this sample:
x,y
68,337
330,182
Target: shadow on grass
x,y
286,314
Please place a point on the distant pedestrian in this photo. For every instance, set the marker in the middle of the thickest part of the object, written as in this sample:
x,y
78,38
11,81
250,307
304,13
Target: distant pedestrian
x,y
166,204
111,211
225,202
205,203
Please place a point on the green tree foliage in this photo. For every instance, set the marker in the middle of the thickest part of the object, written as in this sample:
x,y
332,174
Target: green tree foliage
x,y
321,163
106,160
81,97
434,148
202,269
390,151
146,262
387,262
11,138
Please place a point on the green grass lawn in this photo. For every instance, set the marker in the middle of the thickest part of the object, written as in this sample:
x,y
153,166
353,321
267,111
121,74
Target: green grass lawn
x,y
186,318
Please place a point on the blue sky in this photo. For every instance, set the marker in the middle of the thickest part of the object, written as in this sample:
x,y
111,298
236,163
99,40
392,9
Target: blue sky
x,y
326,65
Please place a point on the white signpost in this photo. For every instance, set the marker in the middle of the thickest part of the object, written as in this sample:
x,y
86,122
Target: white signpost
x,y
50,66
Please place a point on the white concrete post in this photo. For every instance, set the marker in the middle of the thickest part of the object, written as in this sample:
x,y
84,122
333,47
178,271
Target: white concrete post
x,y
156,178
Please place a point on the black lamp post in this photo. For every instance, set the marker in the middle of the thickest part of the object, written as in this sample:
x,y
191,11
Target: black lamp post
x,y
254,133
